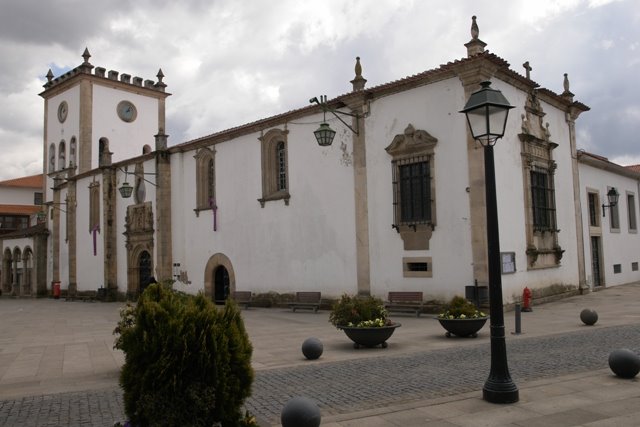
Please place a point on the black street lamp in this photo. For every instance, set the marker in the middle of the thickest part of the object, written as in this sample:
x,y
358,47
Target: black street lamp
x,y
612,197
487,110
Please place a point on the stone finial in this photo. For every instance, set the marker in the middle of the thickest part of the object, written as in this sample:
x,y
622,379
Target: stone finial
x,y
86,66
160,85
49,82
475,46
475,31
527,69
567,93
358,82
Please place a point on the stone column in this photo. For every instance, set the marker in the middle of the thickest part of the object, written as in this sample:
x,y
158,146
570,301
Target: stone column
x,y
571,116
361,199
164,256
71,236
109,229
477,202
55,230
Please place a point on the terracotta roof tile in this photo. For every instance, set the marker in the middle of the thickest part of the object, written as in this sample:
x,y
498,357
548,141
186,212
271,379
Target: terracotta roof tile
x,y
19,209
425,77
33,181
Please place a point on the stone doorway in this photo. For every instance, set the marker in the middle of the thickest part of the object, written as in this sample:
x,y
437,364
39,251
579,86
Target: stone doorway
x,y
220,284
219,278
145,270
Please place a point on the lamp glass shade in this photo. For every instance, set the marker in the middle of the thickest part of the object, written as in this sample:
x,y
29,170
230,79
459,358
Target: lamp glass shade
x,y
612,196
324,135
125,190
487,111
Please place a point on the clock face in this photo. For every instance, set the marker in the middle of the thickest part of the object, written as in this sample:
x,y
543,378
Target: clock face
x,y
63,109
127,111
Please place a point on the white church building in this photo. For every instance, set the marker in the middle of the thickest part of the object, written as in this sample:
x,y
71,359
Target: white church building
x,y
397,202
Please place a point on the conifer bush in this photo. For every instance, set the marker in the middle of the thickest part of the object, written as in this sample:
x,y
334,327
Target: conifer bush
x,y
186,361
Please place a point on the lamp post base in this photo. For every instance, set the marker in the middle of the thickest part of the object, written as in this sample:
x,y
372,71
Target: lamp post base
x,y
500,392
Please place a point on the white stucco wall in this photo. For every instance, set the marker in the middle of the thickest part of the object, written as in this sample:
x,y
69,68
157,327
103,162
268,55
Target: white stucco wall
x,y
90,267
306,245
449,246
125,139
17,195
618,246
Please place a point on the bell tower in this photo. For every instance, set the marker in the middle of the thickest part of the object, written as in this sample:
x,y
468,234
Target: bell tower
x,y
92,114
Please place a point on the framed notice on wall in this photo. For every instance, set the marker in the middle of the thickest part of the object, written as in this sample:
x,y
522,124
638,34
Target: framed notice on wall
x,y
508,262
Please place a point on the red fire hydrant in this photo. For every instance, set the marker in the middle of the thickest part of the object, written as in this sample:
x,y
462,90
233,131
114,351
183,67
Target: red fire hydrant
x,y
526,299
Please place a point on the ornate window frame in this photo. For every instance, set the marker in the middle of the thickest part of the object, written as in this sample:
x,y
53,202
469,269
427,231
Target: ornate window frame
x,y
411,147
543,249
275,166
205,179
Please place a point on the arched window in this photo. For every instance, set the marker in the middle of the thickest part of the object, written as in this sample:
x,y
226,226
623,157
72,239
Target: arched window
x,y
62,163
52,158
275,166
211,181
104,156
72,152
281,159
205,179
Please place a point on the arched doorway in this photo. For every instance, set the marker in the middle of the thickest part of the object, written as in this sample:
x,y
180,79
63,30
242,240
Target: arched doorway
x,y
27,279
144,270
7,271
219,278
220,284
17,272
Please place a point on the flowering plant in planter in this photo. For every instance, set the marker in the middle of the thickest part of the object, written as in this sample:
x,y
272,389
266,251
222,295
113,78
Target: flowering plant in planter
x,y
461,308
363,319
359,312
462,318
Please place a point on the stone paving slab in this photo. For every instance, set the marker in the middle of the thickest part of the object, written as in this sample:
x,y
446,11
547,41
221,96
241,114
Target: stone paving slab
x,y
58,356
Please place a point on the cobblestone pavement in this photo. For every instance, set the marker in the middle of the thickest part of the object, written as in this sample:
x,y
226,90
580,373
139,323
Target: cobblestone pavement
x,y
353,385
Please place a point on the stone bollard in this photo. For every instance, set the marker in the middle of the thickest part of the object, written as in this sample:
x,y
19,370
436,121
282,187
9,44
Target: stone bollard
x,y
312,348
624,363
588,316
300,412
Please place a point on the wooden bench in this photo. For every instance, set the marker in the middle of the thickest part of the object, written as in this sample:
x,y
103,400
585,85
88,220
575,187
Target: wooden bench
x,y
308,299
405,302
242,298
85,296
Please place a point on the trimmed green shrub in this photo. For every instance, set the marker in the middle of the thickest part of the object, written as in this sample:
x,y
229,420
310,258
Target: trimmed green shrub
x,y
461,308
186,362
359,311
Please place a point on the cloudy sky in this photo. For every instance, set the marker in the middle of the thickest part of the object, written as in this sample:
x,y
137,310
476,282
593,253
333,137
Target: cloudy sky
x,y
230,62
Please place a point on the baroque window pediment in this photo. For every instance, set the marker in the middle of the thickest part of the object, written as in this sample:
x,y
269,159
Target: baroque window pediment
x,y
412,143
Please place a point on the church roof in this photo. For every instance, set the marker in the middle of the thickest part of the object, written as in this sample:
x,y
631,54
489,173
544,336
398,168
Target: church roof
x,y
445,71
19,209
33,181
603,163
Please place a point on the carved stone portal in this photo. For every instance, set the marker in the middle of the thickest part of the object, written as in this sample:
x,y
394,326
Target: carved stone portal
x,y
139,243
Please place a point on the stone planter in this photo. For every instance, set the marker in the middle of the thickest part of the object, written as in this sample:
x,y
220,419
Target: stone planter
x,y
463,327
369,337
